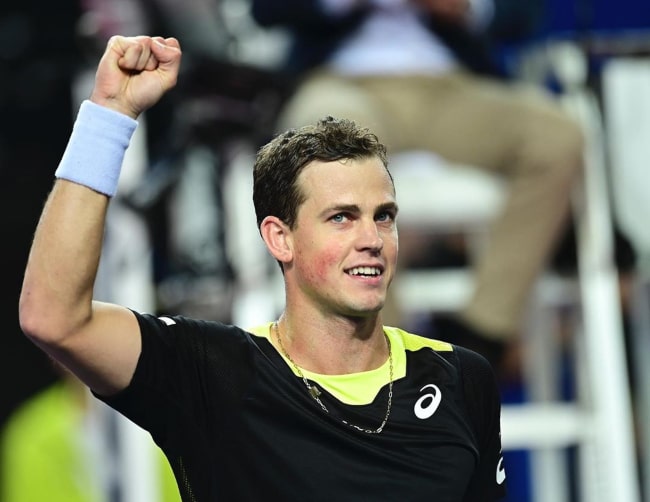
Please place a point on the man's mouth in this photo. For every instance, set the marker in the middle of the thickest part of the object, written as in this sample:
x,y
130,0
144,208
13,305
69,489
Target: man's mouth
x,y
365,271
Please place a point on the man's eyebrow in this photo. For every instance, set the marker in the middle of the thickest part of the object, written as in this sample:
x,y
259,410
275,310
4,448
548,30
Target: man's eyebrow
x,y
355,209
342,208
388,206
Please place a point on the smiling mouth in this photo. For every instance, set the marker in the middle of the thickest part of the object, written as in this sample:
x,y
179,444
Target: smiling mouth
x,y
365,271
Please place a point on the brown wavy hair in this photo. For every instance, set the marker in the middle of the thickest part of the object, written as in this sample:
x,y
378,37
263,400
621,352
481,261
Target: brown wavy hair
x,y
279,163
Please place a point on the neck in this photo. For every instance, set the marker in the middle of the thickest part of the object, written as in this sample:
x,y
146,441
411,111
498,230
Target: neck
x,y
332,346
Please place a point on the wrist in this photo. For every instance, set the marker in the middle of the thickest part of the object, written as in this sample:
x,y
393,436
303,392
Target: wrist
x,y
96,148
114,105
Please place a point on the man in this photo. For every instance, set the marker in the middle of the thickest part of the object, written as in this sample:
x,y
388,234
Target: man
x,y
323,404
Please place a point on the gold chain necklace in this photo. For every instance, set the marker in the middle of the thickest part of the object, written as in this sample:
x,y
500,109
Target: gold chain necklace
x,y
315,392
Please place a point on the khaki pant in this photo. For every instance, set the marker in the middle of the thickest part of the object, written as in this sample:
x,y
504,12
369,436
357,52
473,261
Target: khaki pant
x,y
513,130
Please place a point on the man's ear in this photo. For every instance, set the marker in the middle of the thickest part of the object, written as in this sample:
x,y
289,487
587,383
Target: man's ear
x,y
277,237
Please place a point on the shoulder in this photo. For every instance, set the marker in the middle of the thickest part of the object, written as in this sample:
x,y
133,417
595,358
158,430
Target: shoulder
x,y
474,366
413,342
474,371
178,334
469,360
181,325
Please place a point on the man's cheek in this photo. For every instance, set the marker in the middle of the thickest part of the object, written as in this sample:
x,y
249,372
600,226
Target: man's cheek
x,y
324,264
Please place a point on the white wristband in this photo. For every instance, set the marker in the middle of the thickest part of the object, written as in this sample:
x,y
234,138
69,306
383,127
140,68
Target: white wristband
x,y
96,148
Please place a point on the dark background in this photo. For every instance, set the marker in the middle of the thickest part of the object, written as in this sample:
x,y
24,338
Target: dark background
x,y
38,57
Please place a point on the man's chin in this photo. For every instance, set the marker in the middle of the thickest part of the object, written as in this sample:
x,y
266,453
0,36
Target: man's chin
x,y
366,311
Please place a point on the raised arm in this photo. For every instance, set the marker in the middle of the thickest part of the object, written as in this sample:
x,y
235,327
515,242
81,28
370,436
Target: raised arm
x,y
99,342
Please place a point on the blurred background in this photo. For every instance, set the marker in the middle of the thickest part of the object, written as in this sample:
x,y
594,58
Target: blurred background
x,y
182,236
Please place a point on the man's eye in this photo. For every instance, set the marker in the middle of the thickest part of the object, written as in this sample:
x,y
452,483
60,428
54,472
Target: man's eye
x,y
385,216
338,218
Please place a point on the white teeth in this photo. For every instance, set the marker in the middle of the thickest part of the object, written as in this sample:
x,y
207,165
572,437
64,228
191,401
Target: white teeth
x,y
365,271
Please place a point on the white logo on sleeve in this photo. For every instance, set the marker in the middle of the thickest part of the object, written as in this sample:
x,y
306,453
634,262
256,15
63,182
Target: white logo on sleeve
x,y
501,472
167,320
427,404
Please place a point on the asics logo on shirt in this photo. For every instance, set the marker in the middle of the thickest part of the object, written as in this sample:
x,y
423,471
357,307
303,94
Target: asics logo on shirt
x,y
428,403
501,472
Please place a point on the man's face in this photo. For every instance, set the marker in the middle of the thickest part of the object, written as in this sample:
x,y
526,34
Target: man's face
x,y
345,238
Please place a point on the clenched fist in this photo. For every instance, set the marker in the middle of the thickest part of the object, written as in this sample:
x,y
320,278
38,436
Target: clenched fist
x,y
135,72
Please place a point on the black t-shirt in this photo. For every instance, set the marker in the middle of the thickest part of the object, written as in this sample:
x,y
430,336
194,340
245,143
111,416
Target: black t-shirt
x,y
237,423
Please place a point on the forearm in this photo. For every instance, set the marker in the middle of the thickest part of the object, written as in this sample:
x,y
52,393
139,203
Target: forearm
x,y
56,297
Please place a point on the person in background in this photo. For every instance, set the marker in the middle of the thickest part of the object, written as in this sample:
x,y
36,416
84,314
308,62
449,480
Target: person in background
x,y
422,74
324,402
53,447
